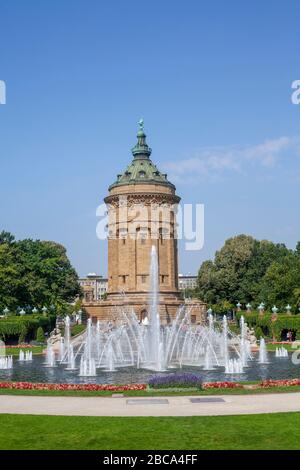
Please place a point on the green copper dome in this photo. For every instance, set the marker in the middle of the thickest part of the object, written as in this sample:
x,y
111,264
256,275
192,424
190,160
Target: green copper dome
x,y
141,170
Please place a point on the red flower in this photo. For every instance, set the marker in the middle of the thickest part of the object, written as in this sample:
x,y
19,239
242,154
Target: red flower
x,y
279,383
72,387
208,385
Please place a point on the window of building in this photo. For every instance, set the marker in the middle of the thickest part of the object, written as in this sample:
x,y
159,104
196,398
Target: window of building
x,y
193,319
142,235
143,238
164,234
144,278
161,236
144,314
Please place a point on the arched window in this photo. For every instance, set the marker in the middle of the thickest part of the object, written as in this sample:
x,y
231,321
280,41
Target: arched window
x,y
144,313
144,316
161,235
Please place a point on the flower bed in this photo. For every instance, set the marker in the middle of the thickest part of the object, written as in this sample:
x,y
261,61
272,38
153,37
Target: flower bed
x,y
279,342
280,383
71,387
209,385
175,381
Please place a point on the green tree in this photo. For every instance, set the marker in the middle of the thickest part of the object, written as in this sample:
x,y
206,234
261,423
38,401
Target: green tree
x,y
23,334
237,270
280,285
40,336
6,237
10,272
296,296
35,273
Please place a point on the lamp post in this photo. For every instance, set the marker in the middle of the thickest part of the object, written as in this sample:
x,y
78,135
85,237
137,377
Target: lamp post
x,y
34,311
274,312
238,306
79,317
209,312
22,312
44,310
248,307
5,311
288,309
261,308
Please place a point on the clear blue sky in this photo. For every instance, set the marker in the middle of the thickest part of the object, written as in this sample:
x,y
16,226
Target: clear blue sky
x,y
212,81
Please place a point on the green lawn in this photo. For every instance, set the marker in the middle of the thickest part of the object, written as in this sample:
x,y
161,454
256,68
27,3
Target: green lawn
x,y
272,347
15,351
268,431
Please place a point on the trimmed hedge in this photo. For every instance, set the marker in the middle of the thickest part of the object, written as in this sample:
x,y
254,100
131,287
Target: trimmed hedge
x,y
25,325
272,327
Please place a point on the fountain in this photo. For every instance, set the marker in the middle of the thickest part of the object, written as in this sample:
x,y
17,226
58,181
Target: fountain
x,y
67,335
50,356
21,355
234,366
208,362
27,356
149,345
61,348
155,339
245,351
281,352
263,355
225,340
110,359
66,347
87,361
70,358
6,362
87,368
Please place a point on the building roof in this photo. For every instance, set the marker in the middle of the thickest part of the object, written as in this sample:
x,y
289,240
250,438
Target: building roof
x,y
141,170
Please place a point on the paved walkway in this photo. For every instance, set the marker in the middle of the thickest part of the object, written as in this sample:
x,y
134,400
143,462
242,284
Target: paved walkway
x,y
164,406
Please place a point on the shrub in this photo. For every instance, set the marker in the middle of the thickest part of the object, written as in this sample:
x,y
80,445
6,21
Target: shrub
x,y
258,332
40,336
270,326
23,333
76,329
184,380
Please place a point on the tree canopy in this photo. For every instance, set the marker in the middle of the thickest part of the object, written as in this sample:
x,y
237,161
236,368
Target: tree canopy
x,y
35,273
249,270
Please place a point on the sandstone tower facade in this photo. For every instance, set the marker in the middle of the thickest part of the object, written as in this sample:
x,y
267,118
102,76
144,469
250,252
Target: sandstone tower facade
x,y
141,208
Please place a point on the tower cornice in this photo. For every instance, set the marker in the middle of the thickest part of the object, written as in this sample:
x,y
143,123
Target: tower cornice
x,y
147,199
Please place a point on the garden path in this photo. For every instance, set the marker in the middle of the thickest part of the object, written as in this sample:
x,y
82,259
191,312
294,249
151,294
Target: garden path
x,y
140,406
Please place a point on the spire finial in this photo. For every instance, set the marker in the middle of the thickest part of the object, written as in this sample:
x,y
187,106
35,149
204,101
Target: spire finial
x,y
141,124
141,149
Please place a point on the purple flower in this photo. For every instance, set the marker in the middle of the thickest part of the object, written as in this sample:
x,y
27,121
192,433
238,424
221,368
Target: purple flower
x,y
184,380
